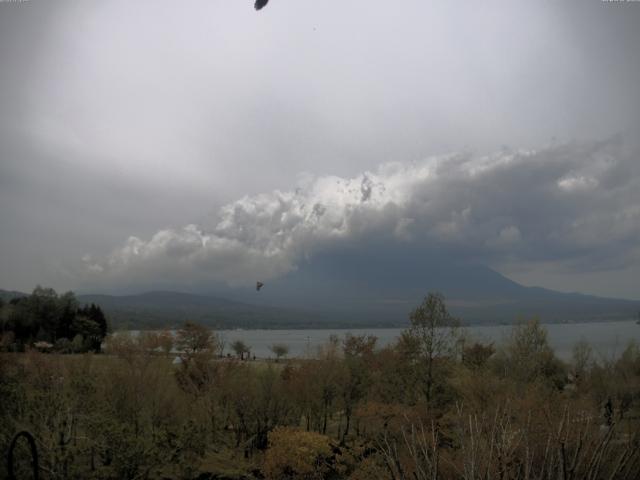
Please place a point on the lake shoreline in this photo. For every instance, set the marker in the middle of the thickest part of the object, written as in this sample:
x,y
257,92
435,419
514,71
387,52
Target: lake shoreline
x,y
356,326
608,339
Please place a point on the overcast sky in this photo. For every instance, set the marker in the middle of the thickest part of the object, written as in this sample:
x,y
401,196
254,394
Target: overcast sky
x,y
200,140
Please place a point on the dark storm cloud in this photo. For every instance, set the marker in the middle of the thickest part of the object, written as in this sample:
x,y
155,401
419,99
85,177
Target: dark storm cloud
x,y
125,118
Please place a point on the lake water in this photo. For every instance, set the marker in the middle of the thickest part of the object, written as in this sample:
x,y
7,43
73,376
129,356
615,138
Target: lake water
x,y
607,340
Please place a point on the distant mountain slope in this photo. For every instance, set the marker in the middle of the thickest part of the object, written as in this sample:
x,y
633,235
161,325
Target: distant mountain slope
x,y
7,295
378,289
161,309
356,287
168,309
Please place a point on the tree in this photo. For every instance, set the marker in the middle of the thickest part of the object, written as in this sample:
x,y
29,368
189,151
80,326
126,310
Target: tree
x,y
295,454
97,315
240,348
197,345
94,327
46,316
149,341
279,350
581,358
193,338
68,309
165,341
328,374
476,356
432,335
3,316
358,352
529,356
77,344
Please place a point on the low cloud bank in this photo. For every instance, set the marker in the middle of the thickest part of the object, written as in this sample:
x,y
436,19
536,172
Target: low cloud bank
x,y
576,204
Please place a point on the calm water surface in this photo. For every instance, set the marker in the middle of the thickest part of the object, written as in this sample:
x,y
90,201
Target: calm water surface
x,y
608,339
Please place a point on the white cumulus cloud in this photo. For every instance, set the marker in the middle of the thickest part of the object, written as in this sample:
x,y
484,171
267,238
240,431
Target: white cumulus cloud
x,y
576,204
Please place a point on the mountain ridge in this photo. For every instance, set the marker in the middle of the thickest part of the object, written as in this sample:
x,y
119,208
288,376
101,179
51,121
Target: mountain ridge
x,y
389,286
353,289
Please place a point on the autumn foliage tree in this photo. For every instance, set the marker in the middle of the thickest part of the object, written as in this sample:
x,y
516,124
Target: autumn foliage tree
x,y
358,353
297,455
353,410
431,337
198,346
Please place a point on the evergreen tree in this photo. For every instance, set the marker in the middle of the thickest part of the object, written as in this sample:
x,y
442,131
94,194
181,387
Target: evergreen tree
x,y
46,316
